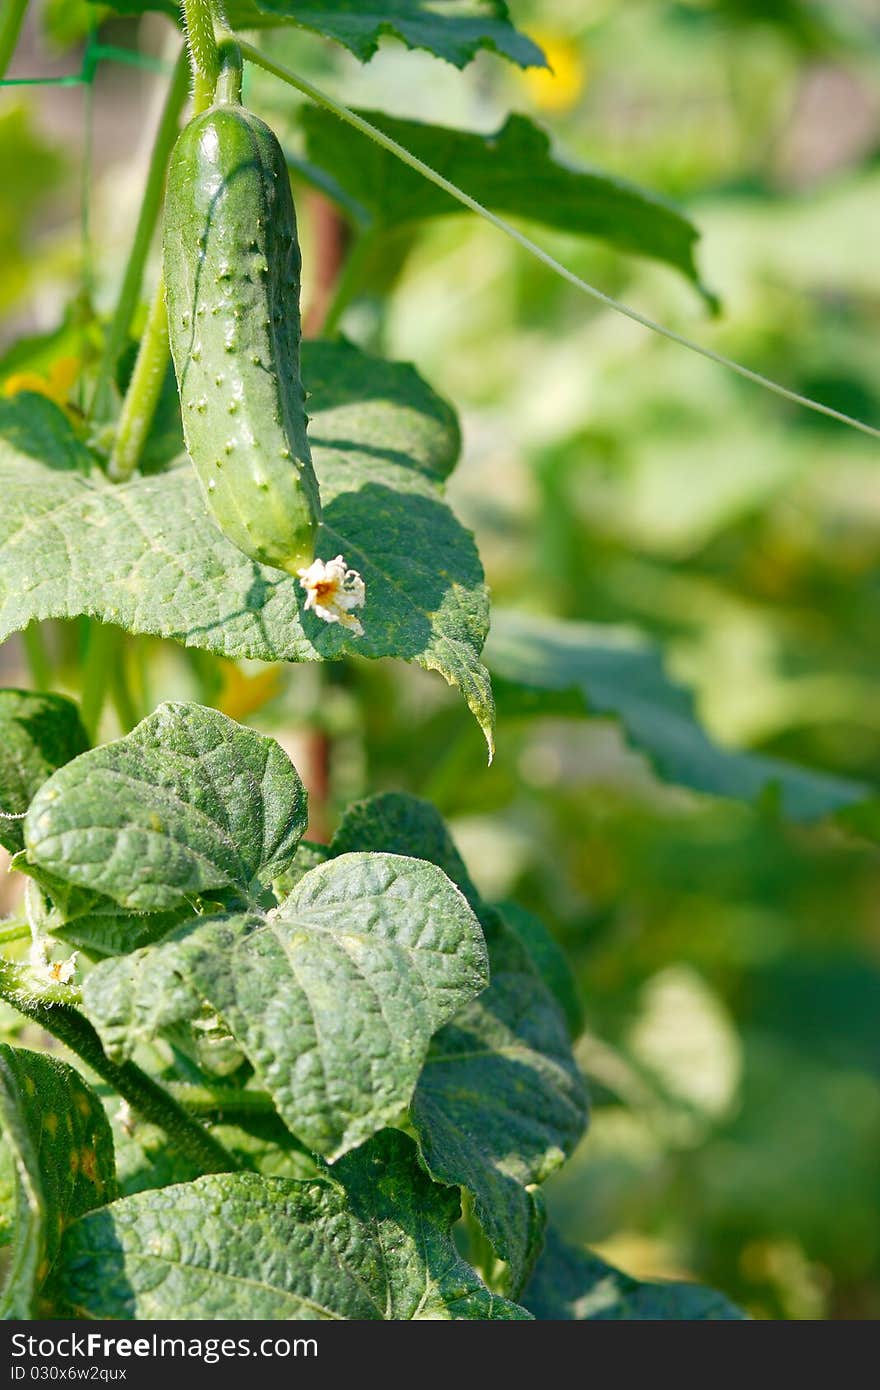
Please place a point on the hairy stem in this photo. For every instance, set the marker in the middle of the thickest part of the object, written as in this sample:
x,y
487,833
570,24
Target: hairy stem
x,y
323,99
144,390
199,18
10,28
148,218
141,1091
14,930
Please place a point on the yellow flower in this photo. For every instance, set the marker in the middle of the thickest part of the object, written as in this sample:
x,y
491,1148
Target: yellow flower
x,y
242,694
556,89
333,591
57,384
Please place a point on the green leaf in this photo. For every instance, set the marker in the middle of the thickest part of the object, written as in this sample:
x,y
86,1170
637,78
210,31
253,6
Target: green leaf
x,y
451,29
499,1107
144,1159
500,1102
146,556
511,171
33,429
576,1286
55,1129
372,1243
397,823
612,671
100,927
189,802
333,996
549,960
38,733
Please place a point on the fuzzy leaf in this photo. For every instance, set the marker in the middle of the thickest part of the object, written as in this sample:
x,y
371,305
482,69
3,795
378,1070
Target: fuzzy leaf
x,y
451,29
189,802
611,671
373,1243
499,1107
500,1102
511,171
38,733
455,30
55,1130
333,996
549,960
146,556
575,1285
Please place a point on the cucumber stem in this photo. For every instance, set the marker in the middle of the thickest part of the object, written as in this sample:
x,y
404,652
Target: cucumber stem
x,y
228,90
143,1094
38,659
143,392
14,930
100,656
151,206
199,18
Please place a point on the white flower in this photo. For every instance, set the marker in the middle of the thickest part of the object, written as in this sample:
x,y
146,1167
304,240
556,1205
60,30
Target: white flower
x,y
333,591
56,972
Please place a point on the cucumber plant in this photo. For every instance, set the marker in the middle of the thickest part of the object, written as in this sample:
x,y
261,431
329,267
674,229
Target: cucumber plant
x,y
329,1038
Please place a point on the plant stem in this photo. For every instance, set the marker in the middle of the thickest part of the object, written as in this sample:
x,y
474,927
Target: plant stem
x,y
199,17
400,152
120,690
37,656
151,206
14,931
145,387
10,28
96,674
141,1091
143,392
204,1100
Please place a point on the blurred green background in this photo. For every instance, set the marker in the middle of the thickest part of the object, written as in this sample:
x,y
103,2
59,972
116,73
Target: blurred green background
x,y
729,963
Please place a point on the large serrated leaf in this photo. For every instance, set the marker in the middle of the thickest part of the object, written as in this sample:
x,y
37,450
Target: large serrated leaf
x,y
54,1128
576,1285
612,671
455,30
189,802
333,996
374,1244
499,1107
38,733
146,556
511,171
500,1102
451,29
549,960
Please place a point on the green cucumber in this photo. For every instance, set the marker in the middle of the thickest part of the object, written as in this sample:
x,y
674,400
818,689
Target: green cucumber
x,y
232,276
